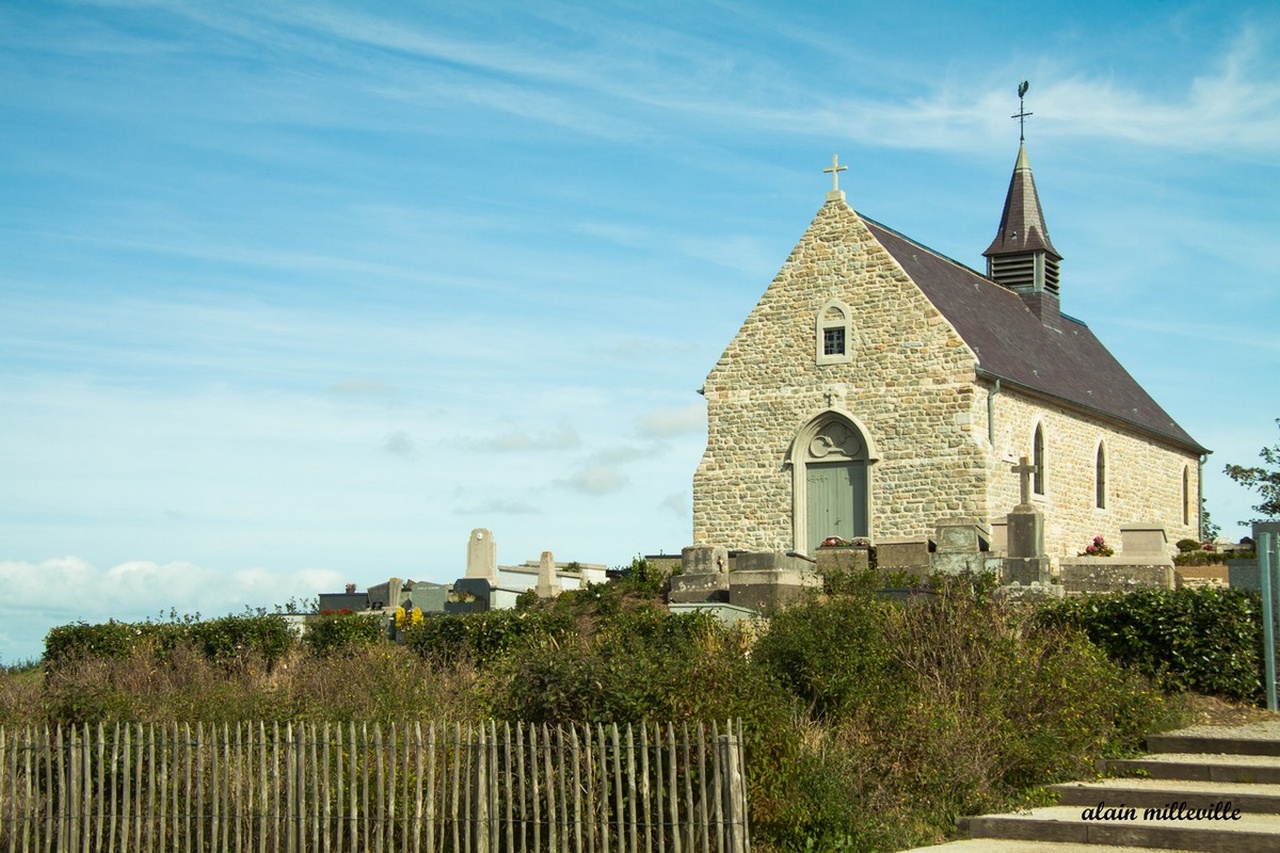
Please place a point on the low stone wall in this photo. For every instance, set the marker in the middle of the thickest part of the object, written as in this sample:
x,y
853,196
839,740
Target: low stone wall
x,y
1194,577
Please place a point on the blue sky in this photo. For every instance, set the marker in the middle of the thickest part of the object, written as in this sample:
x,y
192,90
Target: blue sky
x,y
299,294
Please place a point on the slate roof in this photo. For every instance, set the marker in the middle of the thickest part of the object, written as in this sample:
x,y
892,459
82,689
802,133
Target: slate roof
x,y
1067,363
1022,227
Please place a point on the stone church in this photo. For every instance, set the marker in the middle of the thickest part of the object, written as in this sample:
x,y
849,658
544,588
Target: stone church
x,y
879,388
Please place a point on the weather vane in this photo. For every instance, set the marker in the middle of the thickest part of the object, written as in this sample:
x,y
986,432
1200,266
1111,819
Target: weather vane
x,y
1022,113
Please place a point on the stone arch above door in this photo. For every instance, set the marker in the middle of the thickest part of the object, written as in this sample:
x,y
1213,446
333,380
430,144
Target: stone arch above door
x,y
830,459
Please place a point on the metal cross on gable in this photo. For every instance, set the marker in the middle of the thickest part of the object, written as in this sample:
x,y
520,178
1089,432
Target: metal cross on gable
x,y
835,169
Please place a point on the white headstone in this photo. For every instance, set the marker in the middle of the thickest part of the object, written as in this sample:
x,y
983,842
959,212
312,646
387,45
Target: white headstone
x,y
548,583
482,556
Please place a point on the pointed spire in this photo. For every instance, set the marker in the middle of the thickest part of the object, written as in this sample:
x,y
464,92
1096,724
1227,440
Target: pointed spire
x,y
1022,257
1022,227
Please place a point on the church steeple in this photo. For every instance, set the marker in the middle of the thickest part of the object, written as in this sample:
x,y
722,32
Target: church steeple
x,y
1021,257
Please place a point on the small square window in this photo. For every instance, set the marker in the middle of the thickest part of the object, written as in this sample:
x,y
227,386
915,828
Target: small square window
x,y
833,341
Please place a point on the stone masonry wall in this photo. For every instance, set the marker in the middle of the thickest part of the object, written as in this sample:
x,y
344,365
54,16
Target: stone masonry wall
x,y
909,383
1143,478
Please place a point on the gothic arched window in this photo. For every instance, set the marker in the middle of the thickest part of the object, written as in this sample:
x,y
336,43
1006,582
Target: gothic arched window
x,y
1100,478
1186,495
1039,479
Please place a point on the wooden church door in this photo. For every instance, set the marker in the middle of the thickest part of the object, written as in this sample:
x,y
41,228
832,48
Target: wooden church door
x,y
836,497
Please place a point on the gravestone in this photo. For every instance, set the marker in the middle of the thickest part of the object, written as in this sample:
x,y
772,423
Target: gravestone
x,y
482,556
904,555
385,595
1144,540
963,545
1026,563
1144,562
469,595
1247,573
548,584
842,559
428,597
1000,536
354,601
704,575
770,580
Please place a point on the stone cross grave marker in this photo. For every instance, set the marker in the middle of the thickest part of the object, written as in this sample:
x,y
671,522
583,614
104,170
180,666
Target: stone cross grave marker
x,y
1024,470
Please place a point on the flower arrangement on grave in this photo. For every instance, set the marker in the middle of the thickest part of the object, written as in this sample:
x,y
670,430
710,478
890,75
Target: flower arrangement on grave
x,y
841,542
1098,548
408,619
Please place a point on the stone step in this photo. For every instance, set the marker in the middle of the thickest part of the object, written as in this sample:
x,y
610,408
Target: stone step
x,y
1199,767
1154,793
1251,833
1211,742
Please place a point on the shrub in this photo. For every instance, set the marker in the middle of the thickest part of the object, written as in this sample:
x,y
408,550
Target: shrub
x,y
834,656
483,638
224,639
78,641
1207,640
927,711
1187,545
342,632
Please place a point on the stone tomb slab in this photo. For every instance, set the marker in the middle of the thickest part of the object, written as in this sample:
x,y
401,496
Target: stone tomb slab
x,y
700,588
961,536
771,589
843,559
1143,539
753,561
1112,574
704,559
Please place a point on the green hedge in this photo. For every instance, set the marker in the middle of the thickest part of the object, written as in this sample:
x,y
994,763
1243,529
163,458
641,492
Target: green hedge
x,y
1207,640
343,632
221,640
483,638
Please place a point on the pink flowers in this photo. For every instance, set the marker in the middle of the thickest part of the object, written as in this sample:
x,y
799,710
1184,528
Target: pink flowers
x,y
1098,548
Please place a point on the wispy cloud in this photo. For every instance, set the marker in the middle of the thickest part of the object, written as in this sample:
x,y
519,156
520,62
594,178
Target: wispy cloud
x,y
398,443
363,389
666,421
515,439
499,506
41,595
600,478
676,503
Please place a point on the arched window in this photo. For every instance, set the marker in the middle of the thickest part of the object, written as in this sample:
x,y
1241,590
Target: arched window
x,y
833,344
1038,479
1186,495
1100,478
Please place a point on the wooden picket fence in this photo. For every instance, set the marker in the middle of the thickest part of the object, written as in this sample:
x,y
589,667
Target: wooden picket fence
x,y
439,788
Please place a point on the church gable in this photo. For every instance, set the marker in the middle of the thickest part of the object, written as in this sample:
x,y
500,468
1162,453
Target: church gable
x,y
842,342
839,299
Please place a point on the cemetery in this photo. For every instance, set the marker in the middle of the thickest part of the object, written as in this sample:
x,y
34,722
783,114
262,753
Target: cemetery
x,y
930,586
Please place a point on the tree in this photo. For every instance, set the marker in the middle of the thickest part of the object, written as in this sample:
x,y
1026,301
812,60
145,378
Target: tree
x,y
1208,530
1265,481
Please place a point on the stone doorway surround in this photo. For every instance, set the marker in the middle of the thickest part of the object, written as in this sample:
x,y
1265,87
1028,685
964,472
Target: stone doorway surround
x,y
832,436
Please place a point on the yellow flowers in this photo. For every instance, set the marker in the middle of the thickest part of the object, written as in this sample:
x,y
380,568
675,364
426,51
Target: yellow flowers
x,y
410,619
